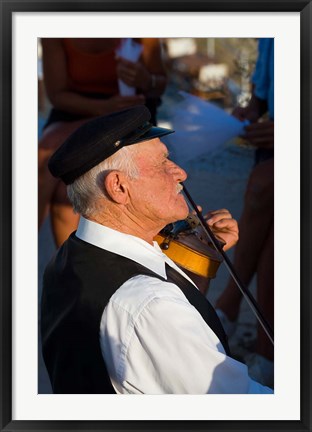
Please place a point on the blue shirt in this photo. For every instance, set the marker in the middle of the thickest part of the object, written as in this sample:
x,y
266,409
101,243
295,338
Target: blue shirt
x,y
263,77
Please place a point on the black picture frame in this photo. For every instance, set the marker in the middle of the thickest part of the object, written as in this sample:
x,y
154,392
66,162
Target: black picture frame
x,y
7,9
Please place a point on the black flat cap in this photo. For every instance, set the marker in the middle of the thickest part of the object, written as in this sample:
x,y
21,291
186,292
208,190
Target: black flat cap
x,y
100,138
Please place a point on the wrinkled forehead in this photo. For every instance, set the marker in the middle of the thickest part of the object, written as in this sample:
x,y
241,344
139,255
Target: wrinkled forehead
x,y
149,153
153,146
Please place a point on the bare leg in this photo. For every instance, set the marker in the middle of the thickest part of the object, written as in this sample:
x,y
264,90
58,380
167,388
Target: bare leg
x,y
254,227
48,143
49,188
63,219
265,294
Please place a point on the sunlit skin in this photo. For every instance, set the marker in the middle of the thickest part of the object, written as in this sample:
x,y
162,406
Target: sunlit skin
x,y
143,205
156,196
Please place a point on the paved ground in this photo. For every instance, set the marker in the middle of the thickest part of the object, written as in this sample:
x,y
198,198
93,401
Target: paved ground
x,y
216,180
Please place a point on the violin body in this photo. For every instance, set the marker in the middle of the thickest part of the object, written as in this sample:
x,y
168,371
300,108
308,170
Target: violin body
x,y
186,244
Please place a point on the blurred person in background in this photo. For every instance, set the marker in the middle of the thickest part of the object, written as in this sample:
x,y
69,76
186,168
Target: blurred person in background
x,y
254,253
81,82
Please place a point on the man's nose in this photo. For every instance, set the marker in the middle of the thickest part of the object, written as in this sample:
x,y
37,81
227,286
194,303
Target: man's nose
x,y
180,173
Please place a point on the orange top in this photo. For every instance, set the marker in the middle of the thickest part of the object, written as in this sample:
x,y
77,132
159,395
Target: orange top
x,y
91,72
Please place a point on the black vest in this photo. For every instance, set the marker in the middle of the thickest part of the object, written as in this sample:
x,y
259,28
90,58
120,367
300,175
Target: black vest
x,y
77,285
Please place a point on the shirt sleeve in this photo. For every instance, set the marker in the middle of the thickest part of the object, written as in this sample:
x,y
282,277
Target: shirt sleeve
x,y
169,349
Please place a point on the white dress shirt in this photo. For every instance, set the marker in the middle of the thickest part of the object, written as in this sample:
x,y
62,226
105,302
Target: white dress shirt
x,y
152,339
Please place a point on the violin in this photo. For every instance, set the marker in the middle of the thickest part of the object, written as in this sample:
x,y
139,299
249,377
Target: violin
x,y
187,245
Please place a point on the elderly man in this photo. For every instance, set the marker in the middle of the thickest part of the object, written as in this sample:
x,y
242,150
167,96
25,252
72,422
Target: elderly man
x,y
118,316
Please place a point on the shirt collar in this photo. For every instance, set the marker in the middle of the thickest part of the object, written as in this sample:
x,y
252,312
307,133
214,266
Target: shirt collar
x,y
122,244
126,245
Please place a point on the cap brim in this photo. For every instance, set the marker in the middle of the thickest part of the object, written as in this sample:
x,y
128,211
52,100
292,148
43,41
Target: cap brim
x,y
154,132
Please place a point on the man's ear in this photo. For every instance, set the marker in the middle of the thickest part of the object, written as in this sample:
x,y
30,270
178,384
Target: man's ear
x,y
116,186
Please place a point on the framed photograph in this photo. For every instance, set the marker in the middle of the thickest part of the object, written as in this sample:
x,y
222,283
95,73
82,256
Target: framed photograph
x,y
23,405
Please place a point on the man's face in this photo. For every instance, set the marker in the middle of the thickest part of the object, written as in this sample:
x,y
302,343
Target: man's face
x,y
156,193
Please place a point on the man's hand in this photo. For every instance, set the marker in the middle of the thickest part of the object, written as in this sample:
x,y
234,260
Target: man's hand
x,y
246,113
223,226
253,111
133,74
260,134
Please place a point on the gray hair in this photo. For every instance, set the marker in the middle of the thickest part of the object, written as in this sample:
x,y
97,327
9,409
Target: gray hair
x,y
85,192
